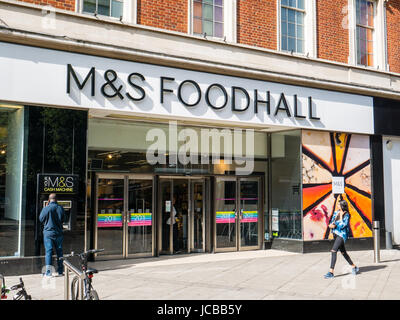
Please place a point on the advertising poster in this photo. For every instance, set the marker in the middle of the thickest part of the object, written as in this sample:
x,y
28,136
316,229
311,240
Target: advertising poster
x,y
335,165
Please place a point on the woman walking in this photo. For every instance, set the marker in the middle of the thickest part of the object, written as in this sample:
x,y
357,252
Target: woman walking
x,y
340,229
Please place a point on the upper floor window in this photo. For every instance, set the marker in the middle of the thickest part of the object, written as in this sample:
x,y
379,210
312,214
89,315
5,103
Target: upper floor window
x,y
208,17
365,32
293,25
111,8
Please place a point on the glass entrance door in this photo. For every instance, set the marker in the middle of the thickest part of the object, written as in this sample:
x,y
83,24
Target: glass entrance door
x,y
182,215
249,212
174,215
110,216
237,208
124,216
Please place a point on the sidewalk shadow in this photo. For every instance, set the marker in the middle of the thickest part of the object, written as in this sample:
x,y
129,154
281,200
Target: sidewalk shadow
x,y
371,268
363,269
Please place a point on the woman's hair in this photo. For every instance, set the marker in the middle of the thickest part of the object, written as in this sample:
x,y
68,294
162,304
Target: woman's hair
x,y
344,206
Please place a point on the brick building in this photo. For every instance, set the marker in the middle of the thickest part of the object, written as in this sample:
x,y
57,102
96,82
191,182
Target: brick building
x,y
311,87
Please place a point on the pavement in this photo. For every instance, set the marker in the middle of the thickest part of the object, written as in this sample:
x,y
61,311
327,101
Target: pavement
x,y
249,275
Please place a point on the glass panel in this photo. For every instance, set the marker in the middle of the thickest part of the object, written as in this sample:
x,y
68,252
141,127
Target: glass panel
x,y
198,218
208,27
249,213
370,14
103,7
300,32
57,144
110,208
292,3
208,1
218,14
218,30
285,185
180,205
292,30
166,213
197,26
292,44
300,4
89,6
284,14
11,157
116,9
370,60
207,12
140,216
299,17
284,43
197,9
284,28
300,46
225,215
285,2
292,16
218,2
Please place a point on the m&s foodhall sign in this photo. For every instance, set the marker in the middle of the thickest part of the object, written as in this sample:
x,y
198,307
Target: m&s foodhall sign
x,y
57,183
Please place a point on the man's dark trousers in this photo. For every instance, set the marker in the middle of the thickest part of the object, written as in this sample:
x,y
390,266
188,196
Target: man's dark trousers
x,y
51,240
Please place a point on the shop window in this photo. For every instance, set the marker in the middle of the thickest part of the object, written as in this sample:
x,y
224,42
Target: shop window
x,y
11,159
56,145
110,8
286,217
365,32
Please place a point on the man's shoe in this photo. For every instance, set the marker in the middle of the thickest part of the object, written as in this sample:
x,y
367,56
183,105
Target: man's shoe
x,y
355,270
329,275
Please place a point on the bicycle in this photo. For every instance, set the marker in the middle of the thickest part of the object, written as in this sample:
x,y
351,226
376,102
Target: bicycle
x,y
21,293
89,292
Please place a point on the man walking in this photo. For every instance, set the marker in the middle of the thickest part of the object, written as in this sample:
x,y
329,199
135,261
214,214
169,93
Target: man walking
x,y
52,217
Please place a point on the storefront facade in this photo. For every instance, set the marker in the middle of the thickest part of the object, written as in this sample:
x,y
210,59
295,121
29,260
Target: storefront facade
x,y
151,160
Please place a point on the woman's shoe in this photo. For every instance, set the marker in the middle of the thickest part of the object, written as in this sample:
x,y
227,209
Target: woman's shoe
x,y
329,275
355,270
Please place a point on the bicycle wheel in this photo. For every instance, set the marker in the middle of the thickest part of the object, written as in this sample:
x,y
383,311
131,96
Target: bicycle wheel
x,y
93,295
75,288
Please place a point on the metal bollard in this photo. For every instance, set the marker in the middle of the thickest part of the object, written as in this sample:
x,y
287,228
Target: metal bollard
x,y
377,245
389,244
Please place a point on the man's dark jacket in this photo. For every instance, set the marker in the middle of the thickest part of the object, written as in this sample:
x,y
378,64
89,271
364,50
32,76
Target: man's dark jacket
x,y
52,217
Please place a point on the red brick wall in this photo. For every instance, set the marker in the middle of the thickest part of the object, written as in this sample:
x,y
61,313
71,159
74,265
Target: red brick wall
x,y
256,23
60,4
393,34
165,14
332,38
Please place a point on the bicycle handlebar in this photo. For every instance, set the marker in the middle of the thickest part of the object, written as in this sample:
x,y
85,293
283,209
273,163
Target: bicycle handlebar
x,y
73,254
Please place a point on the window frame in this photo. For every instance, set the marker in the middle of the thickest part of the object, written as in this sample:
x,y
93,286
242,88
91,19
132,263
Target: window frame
x,y
229,21
374,42
379,39
129,11
310,28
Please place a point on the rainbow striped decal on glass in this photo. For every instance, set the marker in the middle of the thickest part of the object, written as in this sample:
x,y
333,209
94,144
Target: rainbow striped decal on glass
x,y
140,219
225,217
250,216
109,220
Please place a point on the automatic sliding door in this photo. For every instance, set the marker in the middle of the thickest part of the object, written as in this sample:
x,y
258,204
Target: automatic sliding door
x,y
198,212
225,214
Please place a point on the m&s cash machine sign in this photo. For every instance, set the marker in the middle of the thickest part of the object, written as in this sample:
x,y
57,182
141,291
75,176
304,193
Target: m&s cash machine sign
x,y
57,183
